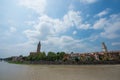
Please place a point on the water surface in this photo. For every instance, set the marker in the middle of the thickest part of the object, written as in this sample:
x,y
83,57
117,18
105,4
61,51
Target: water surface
x,y
58,72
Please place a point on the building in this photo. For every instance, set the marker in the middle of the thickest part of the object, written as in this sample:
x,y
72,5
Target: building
x,y
38,49
104,47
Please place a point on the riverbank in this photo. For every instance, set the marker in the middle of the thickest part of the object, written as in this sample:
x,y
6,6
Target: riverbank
x,y
66,63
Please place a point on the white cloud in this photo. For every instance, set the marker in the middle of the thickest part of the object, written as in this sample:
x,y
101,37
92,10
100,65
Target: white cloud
x,y
84,26
37,5
111,26
116,43
48,30
88,1
104,12
74,32
12,29
67,44
47,26
17,49
93,37
101,23
74,19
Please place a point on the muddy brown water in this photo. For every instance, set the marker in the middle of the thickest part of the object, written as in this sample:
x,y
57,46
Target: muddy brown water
x,y
58,72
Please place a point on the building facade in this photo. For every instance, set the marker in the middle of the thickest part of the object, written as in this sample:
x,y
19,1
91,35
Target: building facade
x,y
38,49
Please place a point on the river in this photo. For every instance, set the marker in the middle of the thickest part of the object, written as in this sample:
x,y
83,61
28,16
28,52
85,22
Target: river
x,y
58,72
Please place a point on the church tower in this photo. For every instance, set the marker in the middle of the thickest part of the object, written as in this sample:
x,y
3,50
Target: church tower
x,y
104,47
38,47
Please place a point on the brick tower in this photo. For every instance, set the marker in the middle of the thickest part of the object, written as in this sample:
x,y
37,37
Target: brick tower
x,y
38,47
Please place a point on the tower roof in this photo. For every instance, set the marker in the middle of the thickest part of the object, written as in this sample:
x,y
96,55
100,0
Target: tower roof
x,y
39,47
39,43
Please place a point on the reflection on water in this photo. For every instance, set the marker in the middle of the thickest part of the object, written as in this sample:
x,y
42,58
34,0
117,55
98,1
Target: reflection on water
x,y
58,72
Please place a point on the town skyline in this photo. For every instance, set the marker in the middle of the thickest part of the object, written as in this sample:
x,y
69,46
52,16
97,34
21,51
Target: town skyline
x,y
39,57
63,25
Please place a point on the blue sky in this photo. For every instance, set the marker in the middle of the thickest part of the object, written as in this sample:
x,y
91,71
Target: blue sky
x,y
60,25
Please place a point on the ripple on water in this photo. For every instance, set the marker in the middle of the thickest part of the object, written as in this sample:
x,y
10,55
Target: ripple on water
x,y
59,72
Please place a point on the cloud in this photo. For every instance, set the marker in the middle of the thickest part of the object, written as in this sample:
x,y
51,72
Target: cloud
x,y
110,26
48,30
103,13
17,49
74,32
50,44
62,43
36,5
88,1
47,26
93,37
84,26
100,24
13,29
73,18
116,43
67,44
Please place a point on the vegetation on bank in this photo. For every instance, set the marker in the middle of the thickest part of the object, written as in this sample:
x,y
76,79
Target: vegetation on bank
x,y
51,56
16,62
63,58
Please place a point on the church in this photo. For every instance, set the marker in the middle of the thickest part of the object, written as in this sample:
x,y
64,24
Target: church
x,y
38,49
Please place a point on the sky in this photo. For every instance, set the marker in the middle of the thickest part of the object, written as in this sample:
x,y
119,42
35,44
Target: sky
x,y
60,25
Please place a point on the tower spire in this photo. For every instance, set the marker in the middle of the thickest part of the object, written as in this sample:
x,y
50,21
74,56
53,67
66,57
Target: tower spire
x,y
38,47
104,47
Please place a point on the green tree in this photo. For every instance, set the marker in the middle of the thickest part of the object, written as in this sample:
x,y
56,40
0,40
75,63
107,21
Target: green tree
x,y
77,59
60,55
51,56
37,56
42,56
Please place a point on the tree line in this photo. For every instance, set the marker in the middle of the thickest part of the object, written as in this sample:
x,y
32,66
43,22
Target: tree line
x,y
51,56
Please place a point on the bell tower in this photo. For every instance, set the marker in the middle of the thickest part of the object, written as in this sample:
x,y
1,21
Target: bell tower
x,y
38,47
104,47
